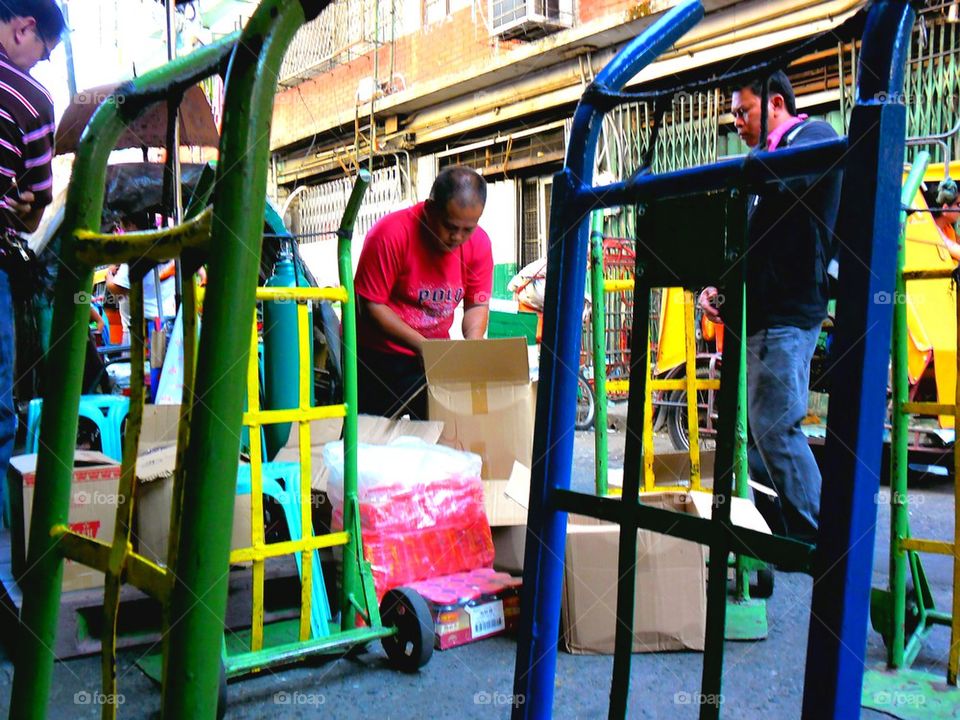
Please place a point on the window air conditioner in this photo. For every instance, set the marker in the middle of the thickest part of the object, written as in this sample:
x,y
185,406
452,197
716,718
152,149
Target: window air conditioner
x,y
528,18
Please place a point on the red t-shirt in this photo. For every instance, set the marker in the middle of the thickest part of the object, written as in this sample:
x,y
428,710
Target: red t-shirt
x,y
421,285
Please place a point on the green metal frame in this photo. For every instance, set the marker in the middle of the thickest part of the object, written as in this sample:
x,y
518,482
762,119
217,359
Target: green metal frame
x,y
194,590
888,607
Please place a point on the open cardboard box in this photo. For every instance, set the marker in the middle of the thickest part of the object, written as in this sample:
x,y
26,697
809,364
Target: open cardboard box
x,y
93,510
481,391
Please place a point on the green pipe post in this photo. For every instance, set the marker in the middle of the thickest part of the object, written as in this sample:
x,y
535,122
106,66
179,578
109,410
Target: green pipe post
x,y
353,553
42,582
899,520
740,447
598,309
191,668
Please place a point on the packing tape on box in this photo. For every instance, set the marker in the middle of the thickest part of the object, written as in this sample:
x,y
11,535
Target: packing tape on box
x,y
478,398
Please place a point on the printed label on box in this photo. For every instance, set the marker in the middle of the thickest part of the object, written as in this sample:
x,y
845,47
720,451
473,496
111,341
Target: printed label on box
x,y
486,619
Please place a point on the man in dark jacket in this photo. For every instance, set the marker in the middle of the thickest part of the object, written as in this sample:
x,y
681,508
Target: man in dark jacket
x,y
791,244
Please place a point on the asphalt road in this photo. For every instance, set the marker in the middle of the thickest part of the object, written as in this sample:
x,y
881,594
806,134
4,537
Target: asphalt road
x,y
762,679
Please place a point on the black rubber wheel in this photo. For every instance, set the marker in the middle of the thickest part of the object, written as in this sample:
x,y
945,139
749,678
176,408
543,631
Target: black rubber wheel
x,y
764,585
412,646
222,693
676,415
586,405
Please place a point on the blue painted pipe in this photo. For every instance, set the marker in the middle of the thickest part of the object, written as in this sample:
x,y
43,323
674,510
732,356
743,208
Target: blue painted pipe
x,y
556,406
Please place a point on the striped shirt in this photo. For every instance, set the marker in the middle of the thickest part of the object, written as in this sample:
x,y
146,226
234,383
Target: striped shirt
x,y
26,140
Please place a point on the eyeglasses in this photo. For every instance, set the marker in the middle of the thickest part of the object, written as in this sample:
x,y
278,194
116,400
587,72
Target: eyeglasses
x,y
46,48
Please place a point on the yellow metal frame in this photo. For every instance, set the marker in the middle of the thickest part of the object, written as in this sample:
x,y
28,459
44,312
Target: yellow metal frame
x,y
690,383
942,547
254,419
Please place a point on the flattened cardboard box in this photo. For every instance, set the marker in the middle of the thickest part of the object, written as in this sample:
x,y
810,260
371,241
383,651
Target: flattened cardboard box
x,y
481,391
670,604
93,510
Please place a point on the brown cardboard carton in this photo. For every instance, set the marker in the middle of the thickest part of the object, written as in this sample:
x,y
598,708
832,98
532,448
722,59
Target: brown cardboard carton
x,y
670,604
93,508
481,391
156,462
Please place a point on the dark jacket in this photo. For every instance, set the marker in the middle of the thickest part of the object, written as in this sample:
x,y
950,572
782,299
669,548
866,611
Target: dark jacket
x,y
791,243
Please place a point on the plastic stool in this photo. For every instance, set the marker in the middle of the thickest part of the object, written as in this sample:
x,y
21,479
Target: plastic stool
x,y
288,497
107,412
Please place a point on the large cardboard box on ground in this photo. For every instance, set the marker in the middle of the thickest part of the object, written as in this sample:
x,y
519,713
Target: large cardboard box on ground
x,y
670,604
156,462
93,508
481,391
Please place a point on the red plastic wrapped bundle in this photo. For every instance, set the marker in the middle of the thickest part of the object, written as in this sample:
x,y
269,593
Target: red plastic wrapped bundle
x,y
421,510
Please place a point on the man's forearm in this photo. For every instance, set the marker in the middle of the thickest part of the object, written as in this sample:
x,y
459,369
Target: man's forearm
x,y
391,326
474,324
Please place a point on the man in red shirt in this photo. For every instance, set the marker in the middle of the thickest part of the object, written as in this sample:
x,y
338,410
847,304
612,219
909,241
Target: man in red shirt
x,y
416,266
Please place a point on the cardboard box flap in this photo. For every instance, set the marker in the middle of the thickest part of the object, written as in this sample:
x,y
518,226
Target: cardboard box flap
x,y
378,430
465,361
156,463
518,486
743,513
26,465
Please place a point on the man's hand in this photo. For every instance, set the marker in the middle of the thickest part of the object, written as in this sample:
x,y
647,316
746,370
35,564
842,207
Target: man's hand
x,y
22,211
22,204
390,324
709,303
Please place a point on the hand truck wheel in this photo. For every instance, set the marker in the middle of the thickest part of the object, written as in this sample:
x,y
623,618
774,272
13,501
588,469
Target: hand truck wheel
x,y
412,646
764,585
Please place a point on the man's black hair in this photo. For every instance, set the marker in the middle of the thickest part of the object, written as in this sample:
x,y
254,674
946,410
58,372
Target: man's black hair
x,y
461,184
50,22
777,84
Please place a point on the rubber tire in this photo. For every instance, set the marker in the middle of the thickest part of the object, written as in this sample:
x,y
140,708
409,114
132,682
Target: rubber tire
x,y
676,420
586,405
764,585
412,646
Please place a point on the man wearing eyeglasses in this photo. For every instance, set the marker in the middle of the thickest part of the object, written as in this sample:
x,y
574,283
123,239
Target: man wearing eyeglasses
x,y
791,245
29,31
416,267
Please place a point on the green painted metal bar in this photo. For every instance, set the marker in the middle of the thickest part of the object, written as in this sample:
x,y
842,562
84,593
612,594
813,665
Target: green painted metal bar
x,y
41,584
740,450
598,309
899,517
243,663
790,554
729,396
632,479
351,586
191,668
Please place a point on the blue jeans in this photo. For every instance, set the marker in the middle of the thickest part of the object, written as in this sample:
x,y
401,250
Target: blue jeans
x,y
8,415
778,379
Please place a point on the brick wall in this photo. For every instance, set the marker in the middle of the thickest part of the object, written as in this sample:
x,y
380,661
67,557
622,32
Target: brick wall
x,y
459,44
